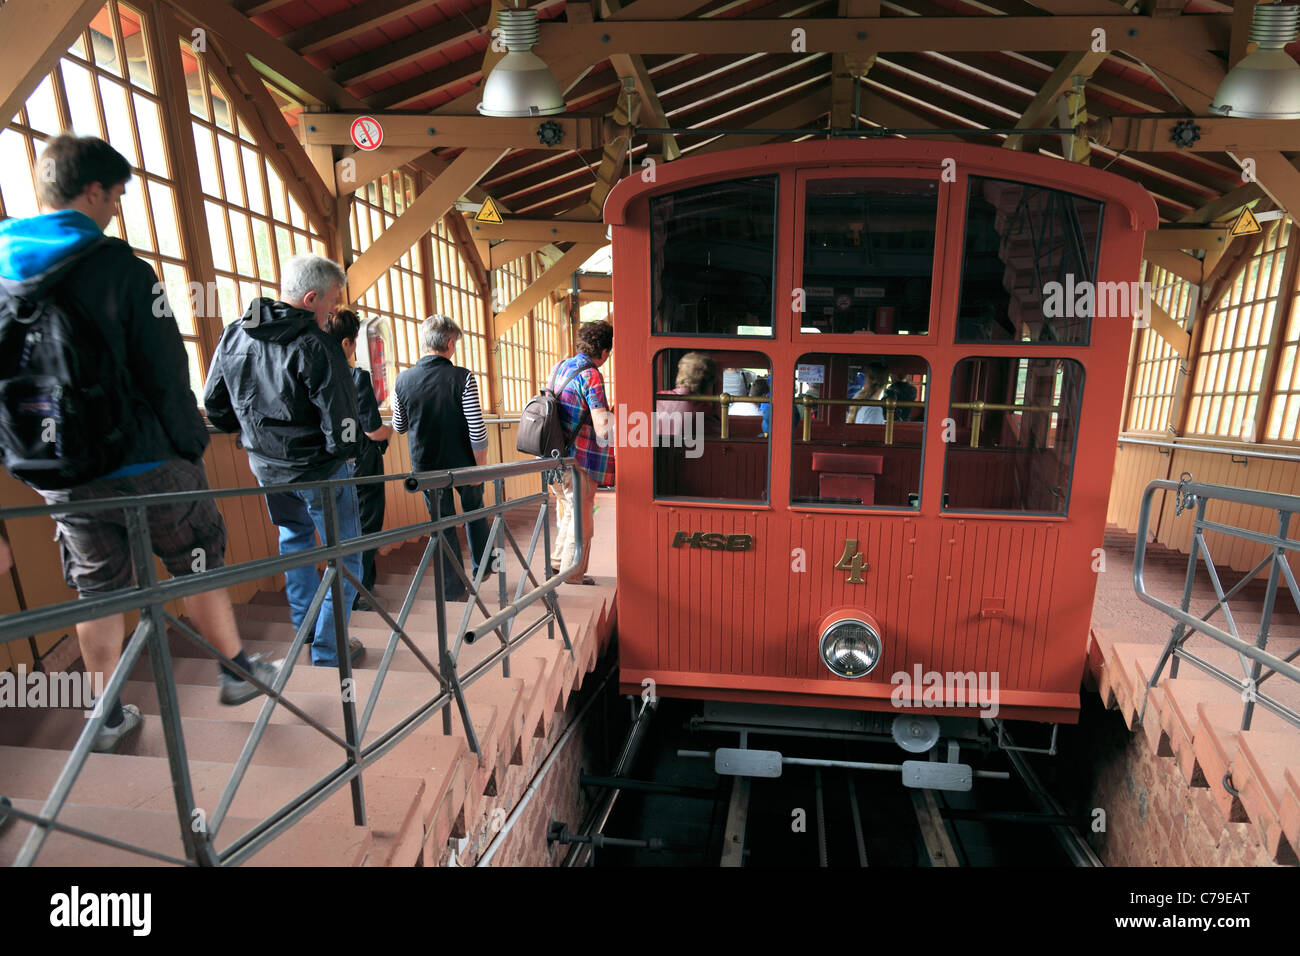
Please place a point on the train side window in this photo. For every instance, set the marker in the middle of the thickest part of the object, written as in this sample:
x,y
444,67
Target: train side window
x,y
1015,426
709,425
868,255
1029,267
713,259
859,429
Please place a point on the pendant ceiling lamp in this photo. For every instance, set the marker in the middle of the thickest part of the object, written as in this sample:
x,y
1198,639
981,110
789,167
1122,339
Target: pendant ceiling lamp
x,y
521,84
1265,84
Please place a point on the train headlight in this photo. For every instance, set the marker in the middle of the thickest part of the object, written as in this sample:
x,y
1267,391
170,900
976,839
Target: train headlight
x,y
850,645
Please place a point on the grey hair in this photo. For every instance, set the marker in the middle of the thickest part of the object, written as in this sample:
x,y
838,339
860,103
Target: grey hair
x,y
309,273
437,333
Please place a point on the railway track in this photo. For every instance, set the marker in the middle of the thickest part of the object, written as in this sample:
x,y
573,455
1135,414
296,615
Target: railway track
x,y
826,810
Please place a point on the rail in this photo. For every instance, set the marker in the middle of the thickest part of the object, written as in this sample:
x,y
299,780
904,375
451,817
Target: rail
x,y
1243,451
1258,665
149,597
977,409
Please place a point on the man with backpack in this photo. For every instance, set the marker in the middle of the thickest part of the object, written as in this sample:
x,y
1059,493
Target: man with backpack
x,y
95,402
436,403
281,381
588,425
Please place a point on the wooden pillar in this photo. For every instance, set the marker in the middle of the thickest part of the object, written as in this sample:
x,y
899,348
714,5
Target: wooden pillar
x,y
163,32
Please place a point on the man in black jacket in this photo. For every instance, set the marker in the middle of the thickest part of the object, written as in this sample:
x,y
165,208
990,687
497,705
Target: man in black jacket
x,y
437,403
121,294
281,382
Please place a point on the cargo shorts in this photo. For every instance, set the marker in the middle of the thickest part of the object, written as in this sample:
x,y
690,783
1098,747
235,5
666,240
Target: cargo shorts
x,y
95,549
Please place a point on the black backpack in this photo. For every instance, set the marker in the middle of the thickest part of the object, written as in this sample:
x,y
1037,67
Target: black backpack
x,y
541,429
64,405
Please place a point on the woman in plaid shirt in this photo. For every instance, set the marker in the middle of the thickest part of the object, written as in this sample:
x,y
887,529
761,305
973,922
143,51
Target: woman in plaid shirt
x,y
585,414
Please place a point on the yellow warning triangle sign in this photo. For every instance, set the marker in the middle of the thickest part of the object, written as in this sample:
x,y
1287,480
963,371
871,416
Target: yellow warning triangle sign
x,y
489,212
1246,224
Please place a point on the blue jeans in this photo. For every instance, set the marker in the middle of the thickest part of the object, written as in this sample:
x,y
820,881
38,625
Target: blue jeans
x,y
300,516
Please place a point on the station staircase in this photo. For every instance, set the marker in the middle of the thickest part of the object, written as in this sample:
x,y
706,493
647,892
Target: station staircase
x,y
427,791
1193,718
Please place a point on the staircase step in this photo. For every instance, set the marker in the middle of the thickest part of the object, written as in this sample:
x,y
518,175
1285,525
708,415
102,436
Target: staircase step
x,y
306,844
134,782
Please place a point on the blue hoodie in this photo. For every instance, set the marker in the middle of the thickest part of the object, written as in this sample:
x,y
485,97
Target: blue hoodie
x,y
29,247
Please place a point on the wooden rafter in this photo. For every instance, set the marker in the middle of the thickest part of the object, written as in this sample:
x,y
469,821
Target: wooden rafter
x,y
279,144
807,108
367,66
431,205
510,250
478,269
631,68
509,132
271,57
894,34
541,230
347,23
46,28
846,70
1226,205
554,277
1218,134
1044,103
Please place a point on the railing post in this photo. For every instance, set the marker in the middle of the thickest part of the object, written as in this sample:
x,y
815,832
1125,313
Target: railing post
x,y
194,829
1266,617
499,485
546,538
1189,583
347,685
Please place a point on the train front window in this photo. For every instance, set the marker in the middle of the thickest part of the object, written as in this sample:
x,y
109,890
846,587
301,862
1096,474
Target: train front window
x,y
710,424
1015,425
859,423
868,255
712,261
1029,267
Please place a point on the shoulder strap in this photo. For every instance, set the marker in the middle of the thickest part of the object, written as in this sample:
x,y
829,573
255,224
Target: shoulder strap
x,y
569,378
46,289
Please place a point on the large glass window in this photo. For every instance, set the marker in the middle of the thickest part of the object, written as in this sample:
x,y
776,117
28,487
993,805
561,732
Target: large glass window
x,y
868,255
709,427
104,86
1030,266
398,294
858,430
713,250
1013,426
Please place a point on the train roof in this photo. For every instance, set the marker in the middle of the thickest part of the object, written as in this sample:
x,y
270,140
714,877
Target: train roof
x,y
892,153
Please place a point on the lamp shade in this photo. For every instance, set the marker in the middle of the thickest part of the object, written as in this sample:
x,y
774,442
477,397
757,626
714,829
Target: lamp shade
x,y
1265,84
520,84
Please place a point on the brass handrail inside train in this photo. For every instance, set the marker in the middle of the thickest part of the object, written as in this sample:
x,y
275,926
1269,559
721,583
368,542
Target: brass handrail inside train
x,y
977,409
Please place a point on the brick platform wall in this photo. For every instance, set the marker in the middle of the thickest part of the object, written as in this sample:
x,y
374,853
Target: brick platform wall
x,y
559,797
1153,818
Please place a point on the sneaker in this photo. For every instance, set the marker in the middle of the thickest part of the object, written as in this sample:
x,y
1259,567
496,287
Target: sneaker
x,y
356,651
361,604
108,738
236,690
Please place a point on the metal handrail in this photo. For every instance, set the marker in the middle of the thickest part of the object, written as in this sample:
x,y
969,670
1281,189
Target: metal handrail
x,y
1245,450
149,597
1258,665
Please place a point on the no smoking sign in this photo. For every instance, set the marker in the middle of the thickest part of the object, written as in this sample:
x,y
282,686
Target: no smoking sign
x,y
366,133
